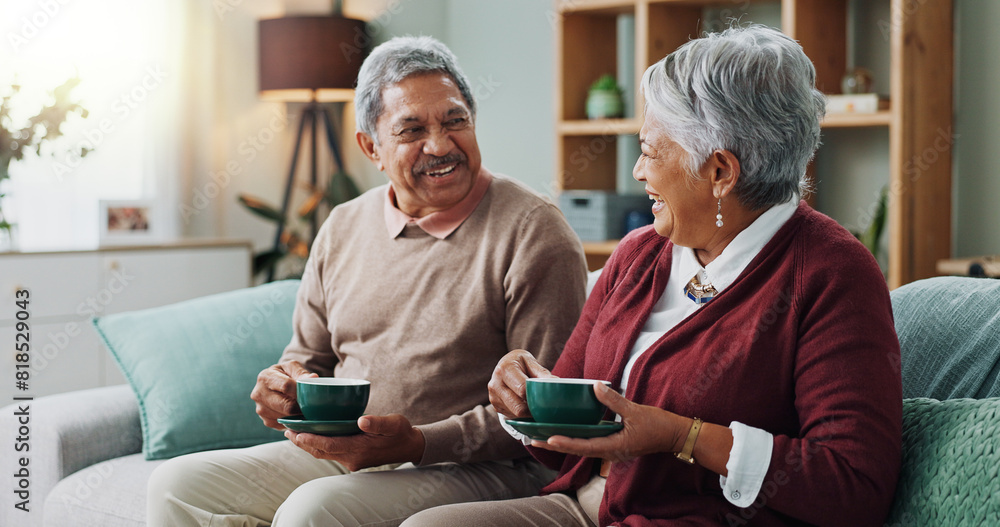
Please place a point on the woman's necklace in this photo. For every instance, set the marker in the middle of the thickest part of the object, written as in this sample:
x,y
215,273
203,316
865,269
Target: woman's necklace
x,y
698,292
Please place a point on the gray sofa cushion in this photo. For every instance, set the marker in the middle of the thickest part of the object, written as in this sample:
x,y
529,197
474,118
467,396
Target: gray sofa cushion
x,y
109,494
949,335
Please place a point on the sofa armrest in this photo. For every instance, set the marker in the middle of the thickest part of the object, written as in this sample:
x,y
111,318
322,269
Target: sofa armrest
x,y
88,426
66,432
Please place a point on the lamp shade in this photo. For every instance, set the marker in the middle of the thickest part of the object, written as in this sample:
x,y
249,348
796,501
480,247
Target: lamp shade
x,y
310,54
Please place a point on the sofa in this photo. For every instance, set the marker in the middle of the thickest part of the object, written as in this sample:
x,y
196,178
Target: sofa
x,y
91,453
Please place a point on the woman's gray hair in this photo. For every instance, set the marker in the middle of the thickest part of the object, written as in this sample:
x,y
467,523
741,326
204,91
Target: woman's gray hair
x,y
395,60
747,90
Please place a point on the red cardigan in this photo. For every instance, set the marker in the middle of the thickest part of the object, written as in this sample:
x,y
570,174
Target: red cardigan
x,y
801,345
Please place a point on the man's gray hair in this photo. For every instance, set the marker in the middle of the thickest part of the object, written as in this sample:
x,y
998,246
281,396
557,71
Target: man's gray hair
x,y
395,60
748,90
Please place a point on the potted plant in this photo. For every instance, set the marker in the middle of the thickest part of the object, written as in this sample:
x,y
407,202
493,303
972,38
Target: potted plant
x,y
19,137
604,100
294,243
871,235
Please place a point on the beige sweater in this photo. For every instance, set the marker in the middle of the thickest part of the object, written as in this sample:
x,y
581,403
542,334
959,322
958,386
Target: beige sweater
x,y
427,320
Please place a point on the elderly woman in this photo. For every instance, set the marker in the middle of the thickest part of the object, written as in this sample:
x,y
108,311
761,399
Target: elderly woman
x,y
751,336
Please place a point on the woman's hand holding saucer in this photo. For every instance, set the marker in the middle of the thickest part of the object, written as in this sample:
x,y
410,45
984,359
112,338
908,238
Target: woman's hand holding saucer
x,y
507,387
647,430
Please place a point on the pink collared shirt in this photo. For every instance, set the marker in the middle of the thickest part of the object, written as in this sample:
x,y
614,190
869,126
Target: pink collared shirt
x,y
438,224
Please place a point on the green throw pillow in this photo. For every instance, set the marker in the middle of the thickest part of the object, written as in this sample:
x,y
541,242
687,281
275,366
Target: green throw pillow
x,y
193,364
951,453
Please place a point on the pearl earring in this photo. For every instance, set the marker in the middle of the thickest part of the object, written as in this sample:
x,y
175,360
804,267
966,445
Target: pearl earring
x,y
718,215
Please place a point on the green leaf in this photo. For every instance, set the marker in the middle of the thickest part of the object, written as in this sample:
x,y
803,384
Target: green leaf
x,y
260,208
341,189
266,260
605,83
871,236
310,206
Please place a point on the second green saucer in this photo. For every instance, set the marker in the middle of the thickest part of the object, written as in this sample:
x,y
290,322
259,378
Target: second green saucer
x,y
543,431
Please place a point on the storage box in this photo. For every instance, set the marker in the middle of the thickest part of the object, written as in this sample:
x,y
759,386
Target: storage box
x,y
597,215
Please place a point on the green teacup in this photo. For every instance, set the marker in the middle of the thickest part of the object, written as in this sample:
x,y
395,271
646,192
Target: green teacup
x,y
332,398
564,401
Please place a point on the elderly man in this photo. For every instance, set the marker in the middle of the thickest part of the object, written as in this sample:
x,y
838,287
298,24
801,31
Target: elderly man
x,y
420,286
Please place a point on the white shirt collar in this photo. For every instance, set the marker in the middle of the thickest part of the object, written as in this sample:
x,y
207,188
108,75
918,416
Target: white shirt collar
x,y
723,271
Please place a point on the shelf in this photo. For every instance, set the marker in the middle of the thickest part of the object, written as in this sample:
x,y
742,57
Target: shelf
x,y
632,126
627,5
600,248
857,120
599,6
599,127
597,253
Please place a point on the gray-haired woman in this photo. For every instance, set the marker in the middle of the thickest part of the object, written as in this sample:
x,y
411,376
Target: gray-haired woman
x,y
752,336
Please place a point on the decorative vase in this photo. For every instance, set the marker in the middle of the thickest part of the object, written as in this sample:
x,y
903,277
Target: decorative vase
x,y
604,104
858,80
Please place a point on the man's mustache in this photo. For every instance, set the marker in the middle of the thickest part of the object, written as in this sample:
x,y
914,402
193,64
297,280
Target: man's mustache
x,y
436,162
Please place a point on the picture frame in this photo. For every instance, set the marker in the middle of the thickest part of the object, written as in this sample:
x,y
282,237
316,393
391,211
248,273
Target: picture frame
x,y
129,222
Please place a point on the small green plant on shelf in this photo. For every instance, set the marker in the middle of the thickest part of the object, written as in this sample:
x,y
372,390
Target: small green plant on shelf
x,y
604,100
295,243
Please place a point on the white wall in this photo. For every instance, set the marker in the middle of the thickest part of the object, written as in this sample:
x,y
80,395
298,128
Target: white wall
x,y
250,135
977,125
507,50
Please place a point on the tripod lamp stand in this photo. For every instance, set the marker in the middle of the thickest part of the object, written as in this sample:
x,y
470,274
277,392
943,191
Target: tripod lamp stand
x,y
310,59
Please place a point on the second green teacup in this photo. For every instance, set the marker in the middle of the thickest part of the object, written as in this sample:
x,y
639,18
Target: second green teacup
x,y
564,401
332,398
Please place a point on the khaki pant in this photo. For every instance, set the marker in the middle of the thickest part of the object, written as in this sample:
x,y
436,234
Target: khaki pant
x,y
555,510
281,483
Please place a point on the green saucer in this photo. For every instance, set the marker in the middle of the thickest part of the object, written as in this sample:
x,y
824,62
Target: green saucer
x,y
298,423
543,431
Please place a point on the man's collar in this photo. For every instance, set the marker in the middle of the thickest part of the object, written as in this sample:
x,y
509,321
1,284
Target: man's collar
x,y
438,224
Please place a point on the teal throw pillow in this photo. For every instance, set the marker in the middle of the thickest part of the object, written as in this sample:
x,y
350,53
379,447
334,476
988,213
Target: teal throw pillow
x,y
193,364
951,454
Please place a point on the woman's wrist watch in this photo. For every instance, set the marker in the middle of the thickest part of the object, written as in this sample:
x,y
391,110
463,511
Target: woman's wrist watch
x,y
685,453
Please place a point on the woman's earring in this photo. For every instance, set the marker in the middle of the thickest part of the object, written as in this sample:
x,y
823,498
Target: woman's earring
x,y
718,215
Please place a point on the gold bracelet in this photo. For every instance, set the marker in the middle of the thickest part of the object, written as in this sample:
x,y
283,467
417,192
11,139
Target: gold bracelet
x,y
685,453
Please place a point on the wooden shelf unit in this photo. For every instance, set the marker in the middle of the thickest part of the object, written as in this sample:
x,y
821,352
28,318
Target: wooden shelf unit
x,y
920,113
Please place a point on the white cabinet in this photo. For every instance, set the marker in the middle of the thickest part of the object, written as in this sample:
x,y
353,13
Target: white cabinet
x,y
67,289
